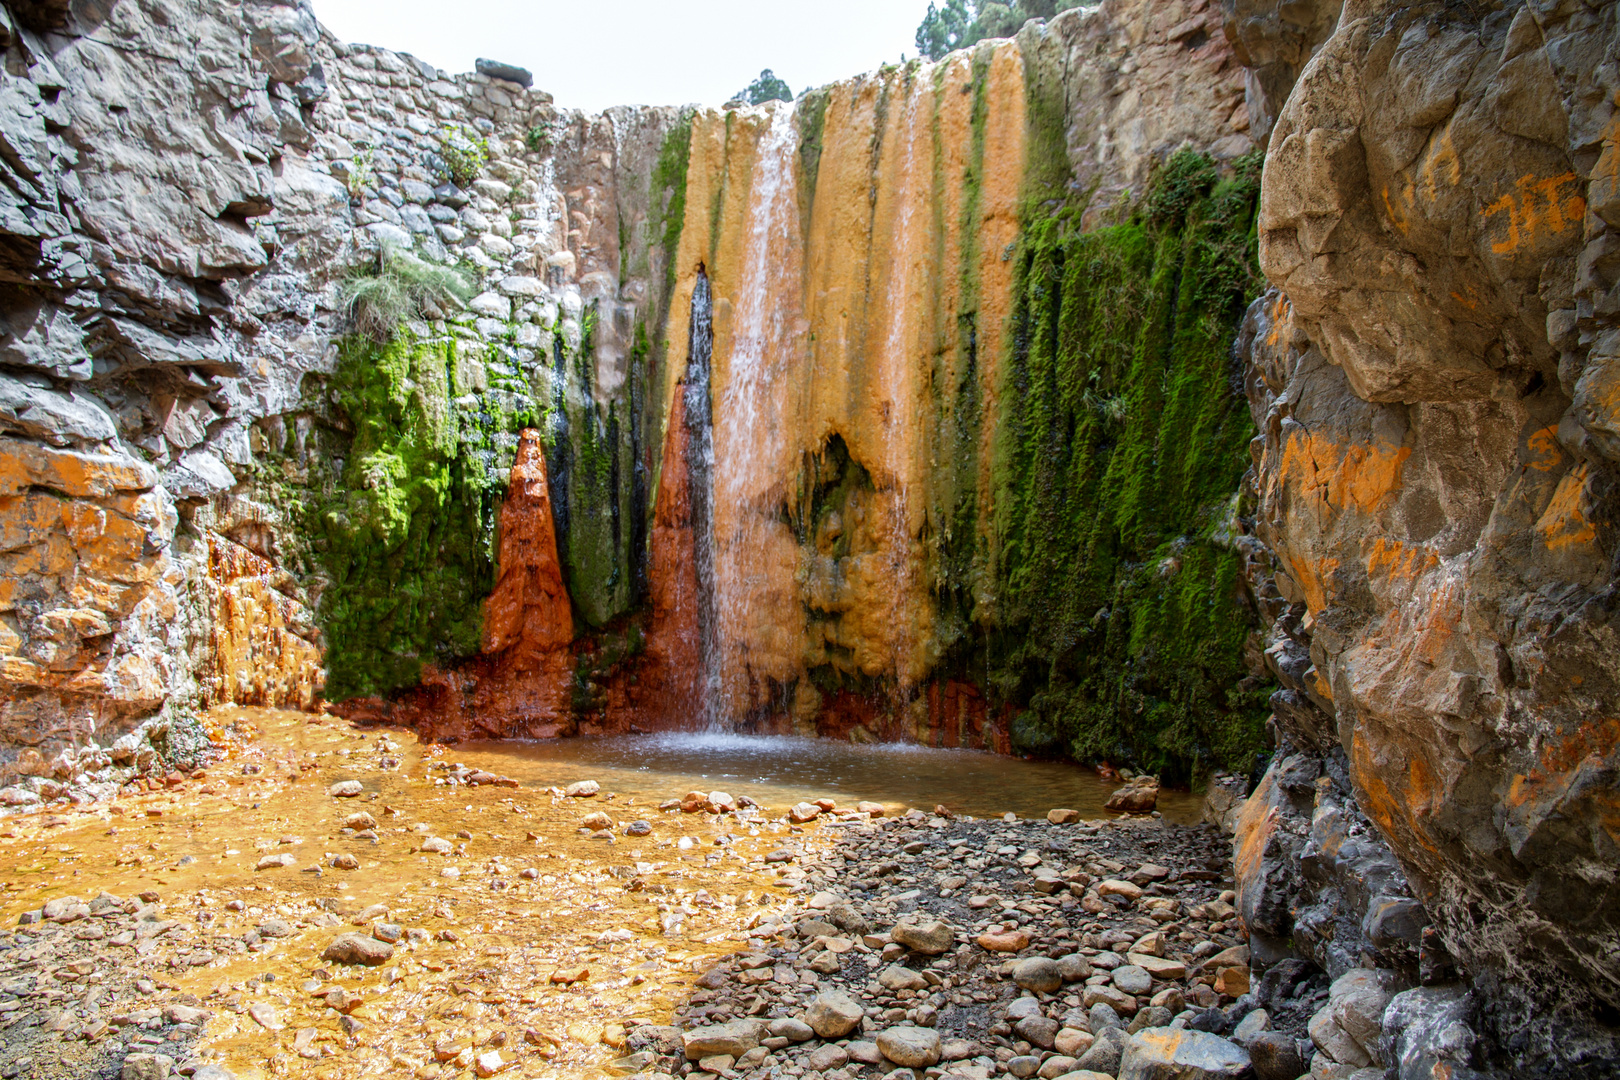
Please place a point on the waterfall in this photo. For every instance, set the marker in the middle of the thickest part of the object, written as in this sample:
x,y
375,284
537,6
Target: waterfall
x,y
750,413
699,421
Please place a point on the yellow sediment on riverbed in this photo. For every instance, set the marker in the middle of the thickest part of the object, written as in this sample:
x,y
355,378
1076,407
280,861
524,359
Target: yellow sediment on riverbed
x,y
544,969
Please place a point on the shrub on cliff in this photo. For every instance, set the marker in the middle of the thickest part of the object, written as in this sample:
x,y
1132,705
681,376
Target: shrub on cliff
x,y
400,286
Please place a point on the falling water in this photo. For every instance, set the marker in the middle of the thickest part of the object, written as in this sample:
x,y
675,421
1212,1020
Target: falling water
x,y
749,433
700,471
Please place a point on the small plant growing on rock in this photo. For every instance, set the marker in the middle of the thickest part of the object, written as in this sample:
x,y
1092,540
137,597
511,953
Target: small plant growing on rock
x,y
465,153
540,138
360,173
401,287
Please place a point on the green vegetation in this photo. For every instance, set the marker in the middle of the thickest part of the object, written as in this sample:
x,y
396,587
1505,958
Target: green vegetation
x,y
401,286
404,534
765,88
540,138
360,173
1123,437
961,23
465,153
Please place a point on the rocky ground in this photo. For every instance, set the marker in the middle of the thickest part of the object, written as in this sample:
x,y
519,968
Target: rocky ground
x,y
1009,948
339,902
335,902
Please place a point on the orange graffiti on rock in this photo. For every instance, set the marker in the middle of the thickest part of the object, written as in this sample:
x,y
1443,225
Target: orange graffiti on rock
x,y
1539,206
1563,525
1544,444
1345,478
1393,561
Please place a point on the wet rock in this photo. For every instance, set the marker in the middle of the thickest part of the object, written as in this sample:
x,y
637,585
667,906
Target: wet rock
x,y
1165,1053
436,845
596,820
345,862
803,812
275,862
911,1047
1063,817
1139,796
358,949
638,828
360,820
582,789
833,1015
346,789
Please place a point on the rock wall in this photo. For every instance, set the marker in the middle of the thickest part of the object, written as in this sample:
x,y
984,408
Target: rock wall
x,y
185,223
1435,483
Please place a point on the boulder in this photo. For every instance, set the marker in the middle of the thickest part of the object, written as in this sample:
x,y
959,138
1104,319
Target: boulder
x,y
910,1047
834,1014
1166,1053
1139,796
735,1038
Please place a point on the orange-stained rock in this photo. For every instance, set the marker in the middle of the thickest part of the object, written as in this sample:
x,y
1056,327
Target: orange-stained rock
x,y
520,686
263,646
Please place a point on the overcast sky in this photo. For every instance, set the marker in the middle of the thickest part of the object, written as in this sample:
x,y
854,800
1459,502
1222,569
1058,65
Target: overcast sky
x,y
594,53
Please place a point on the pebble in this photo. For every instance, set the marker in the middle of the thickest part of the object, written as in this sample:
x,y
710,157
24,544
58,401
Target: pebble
x,y
358,949
582,789
346,789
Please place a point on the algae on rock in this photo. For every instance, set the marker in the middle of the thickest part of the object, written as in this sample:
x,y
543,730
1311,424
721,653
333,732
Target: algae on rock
x,y
1122,621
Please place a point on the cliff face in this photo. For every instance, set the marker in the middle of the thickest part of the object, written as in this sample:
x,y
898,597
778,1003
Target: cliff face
x,y
910,409
885,256
1436,474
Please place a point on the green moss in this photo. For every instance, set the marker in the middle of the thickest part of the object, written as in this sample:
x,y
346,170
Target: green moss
x,y
404,535
811,116
669,193
1123,435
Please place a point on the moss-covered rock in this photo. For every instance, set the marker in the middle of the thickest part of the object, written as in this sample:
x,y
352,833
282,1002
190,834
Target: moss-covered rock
x,y
1121,620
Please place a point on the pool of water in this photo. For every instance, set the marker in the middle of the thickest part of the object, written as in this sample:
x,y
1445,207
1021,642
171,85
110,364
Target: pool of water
x,y
778,771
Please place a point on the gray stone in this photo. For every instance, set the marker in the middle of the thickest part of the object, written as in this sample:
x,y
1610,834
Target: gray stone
x,y
1132,979
1275,1056
834,1014
735,1038
900,977
32,407
912,1047
1039,974
496,69
931,938
358,949
1166,1053
143,1066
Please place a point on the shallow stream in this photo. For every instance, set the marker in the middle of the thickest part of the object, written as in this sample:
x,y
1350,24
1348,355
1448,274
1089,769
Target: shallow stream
x,y
777,771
